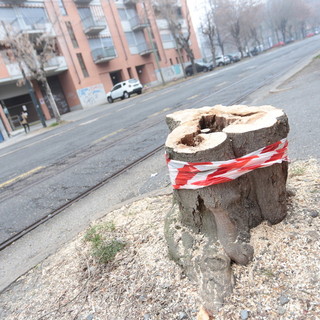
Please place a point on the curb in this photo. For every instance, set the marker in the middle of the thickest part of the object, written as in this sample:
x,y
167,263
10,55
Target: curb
x,y
273,87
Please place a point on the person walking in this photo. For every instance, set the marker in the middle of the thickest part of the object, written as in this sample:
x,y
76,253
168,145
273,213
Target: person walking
x,y
24,121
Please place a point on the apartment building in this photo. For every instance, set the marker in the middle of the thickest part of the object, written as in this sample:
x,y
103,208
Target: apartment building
x,y
99,43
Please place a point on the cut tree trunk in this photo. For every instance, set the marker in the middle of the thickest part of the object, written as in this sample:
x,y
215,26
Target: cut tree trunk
x,y
208,228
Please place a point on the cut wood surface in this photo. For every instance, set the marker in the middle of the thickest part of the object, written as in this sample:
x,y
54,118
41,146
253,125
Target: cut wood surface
x,y
209,227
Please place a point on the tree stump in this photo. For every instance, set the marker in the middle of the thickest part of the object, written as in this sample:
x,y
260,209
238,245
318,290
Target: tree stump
x,y
209,227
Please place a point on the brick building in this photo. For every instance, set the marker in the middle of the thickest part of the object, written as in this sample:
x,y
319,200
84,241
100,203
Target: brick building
x,y
100,43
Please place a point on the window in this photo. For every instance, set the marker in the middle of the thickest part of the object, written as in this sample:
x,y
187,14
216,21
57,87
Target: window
x,y
177,60
7,15
167,37
82,65
84,13
62,8
171,61
130,38
179,13
122,14
103,42
72,35
32,16
118,86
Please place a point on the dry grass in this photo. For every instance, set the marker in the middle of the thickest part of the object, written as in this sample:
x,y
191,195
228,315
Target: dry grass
x,y
282,282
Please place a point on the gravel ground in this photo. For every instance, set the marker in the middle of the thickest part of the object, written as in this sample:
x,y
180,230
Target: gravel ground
x,y
282,282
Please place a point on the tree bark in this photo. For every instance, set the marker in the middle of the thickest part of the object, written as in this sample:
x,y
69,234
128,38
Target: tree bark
x,y
208,228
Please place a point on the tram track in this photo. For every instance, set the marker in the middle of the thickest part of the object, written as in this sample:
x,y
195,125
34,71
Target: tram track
x,y
83,154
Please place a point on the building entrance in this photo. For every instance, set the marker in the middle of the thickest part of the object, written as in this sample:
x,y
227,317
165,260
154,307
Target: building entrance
x,y
116,77
13,107
58,96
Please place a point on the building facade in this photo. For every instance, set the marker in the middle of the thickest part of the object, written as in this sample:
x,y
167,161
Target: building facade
x,y
99,43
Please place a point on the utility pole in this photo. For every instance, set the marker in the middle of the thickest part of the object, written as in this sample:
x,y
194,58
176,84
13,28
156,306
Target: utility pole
x,y
28,84
154,51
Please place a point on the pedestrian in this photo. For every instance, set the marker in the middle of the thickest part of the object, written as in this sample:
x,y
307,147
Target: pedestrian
x,y
24,121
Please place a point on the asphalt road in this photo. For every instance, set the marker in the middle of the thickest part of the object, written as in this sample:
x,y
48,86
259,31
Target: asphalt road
x,y
59,165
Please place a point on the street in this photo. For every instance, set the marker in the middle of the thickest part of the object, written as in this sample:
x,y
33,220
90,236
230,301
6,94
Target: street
x,y
59,165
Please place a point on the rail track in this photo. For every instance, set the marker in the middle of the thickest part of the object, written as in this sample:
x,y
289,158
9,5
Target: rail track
x,y
75,158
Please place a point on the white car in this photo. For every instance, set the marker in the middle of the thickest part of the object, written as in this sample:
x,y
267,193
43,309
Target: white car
x,y
124,90
222,61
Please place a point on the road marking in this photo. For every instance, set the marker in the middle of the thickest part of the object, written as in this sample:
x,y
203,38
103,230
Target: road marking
x,y
90,121
21,176
157,113
107,136
166,91
149,98
129,106
221,84
193,97
36,142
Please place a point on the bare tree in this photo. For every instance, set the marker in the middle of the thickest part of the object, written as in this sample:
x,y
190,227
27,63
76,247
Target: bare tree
x,y
234,12
171,11
252,17
209,30
33,55
220,10
289,15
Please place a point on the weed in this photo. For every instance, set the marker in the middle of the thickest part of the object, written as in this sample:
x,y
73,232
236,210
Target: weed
x,y
104,246
267,273
297,171
54,124
317,57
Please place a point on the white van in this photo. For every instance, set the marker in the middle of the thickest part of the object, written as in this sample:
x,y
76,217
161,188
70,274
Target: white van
x,y
124,90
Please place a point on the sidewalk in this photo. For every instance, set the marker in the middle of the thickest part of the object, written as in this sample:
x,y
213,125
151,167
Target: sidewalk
x,y
36,129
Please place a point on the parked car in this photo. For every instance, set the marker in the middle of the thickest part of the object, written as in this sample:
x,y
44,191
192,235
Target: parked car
x,y
222,61
124,90
200,67
234,57
311,34
279,44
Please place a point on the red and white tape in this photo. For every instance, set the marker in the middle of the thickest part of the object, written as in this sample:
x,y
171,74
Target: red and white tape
x,y
188,175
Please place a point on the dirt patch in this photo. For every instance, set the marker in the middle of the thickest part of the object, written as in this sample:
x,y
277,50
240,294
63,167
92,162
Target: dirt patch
x,y
282,282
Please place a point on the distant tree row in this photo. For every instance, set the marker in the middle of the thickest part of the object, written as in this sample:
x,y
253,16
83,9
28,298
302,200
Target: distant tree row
x,y
247,24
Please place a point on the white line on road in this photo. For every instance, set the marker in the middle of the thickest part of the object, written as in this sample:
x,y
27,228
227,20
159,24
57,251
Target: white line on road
x,y
129,106
36,142
221,84
193,97
90,121
149,98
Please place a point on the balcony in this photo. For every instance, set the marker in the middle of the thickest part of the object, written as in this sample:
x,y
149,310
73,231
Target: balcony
x,y
82,2
101,55
55,65
93,26
129,2
144,48
33,27
137,23
16,1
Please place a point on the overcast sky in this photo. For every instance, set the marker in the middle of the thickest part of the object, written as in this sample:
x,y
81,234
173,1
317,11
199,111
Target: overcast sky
x,y
196,11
